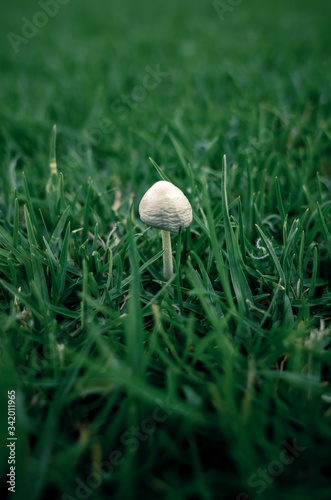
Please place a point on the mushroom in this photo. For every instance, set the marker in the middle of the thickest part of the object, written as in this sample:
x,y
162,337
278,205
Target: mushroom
x,y
165,207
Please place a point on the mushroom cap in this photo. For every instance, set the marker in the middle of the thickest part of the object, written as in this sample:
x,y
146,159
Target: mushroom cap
x,y
165,206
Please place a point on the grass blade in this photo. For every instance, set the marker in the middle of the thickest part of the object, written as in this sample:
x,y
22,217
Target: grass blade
x,y
239,282
37,267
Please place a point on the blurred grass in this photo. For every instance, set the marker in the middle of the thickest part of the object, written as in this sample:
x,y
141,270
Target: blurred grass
x,y
189,389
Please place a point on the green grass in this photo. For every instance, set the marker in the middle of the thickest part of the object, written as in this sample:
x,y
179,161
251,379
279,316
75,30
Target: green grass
x,y
189,389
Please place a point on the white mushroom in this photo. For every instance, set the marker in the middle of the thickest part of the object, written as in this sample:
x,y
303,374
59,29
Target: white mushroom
x,y
165,207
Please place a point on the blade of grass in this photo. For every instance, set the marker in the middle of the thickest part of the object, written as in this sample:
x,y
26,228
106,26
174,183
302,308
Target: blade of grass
x,y
324,228
37,267
16,224
273,255
62,268
30,207
314,275
133,321
220,265
87,210
58,229
239,282
159,171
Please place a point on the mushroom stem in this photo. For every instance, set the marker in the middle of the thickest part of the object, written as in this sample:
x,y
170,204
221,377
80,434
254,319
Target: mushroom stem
x,y
167,256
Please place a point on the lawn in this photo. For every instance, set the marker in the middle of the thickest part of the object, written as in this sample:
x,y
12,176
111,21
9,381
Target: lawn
x,y
116,383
